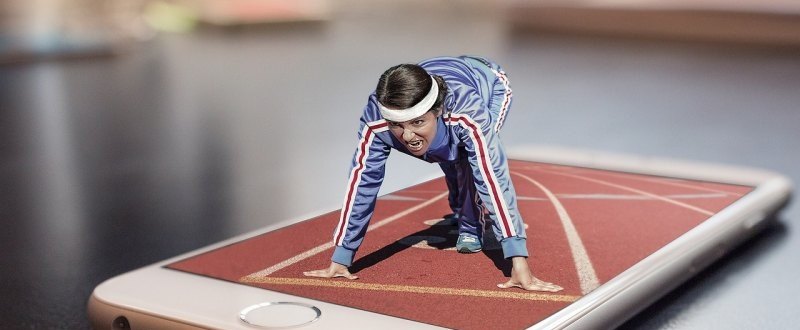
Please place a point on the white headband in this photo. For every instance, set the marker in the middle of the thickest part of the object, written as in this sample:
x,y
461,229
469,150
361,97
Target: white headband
x,y
417,110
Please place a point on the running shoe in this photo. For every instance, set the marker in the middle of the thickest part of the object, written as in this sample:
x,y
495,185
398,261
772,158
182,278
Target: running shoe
x,y
468,244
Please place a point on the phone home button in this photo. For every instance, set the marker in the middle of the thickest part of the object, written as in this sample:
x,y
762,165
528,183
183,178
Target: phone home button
x,y
280,315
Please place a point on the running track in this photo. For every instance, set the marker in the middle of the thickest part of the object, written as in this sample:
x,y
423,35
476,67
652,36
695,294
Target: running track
x,y
584,227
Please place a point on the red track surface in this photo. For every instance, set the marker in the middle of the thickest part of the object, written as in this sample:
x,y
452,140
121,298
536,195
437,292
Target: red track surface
x,y
618,218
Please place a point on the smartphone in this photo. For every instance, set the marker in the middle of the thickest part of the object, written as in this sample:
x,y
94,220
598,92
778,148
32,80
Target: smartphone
x,y
615,231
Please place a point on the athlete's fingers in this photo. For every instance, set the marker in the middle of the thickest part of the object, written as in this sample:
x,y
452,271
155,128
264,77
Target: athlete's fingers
x,y
510,284
327,273
543,287
535,285
318,273
346,275
539,285
554,287
548,285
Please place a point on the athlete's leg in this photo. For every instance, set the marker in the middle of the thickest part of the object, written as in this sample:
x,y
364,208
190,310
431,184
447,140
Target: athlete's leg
x,y
451,178
470,225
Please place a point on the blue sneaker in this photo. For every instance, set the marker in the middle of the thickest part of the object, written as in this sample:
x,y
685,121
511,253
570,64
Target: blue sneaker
x,y
468,244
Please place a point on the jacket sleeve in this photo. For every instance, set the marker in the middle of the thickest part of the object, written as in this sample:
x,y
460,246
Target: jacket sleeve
x,y
492,179
366,175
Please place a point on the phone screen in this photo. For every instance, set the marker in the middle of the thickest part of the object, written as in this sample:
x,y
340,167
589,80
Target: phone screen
x,y
584,227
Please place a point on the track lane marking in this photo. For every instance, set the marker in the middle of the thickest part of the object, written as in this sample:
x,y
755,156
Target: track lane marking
x,y
686,185
347,284
667,181
661,198
314,251
586,273
632,197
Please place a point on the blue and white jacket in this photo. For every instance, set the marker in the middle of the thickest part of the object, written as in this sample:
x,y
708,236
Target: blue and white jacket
x,y
477,101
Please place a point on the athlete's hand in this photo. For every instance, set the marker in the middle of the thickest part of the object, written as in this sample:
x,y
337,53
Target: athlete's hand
x,y
521,277
335,270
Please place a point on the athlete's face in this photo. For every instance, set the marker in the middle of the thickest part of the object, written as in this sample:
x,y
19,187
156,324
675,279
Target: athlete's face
x,y
417,133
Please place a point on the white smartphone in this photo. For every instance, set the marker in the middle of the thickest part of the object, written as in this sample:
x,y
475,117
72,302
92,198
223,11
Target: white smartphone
x,y
615,231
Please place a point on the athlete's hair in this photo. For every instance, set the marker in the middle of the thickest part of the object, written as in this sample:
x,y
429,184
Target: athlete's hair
x,y
402,86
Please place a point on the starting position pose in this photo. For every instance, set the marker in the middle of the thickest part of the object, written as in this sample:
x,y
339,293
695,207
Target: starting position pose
x,y
447,110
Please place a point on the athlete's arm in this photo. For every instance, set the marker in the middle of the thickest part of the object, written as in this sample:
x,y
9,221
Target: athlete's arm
x,y
366,175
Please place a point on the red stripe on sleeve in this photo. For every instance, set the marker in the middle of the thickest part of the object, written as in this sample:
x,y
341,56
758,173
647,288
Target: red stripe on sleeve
x,y
351,187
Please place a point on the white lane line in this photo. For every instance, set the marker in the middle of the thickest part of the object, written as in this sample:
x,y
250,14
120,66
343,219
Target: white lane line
x,y
696,196
671,182
323,247
425,290
690,186
661,198
623,196
586,273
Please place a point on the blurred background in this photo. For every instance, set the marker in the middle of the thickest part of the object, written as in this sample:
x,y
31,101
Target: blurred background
x,y
133,131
